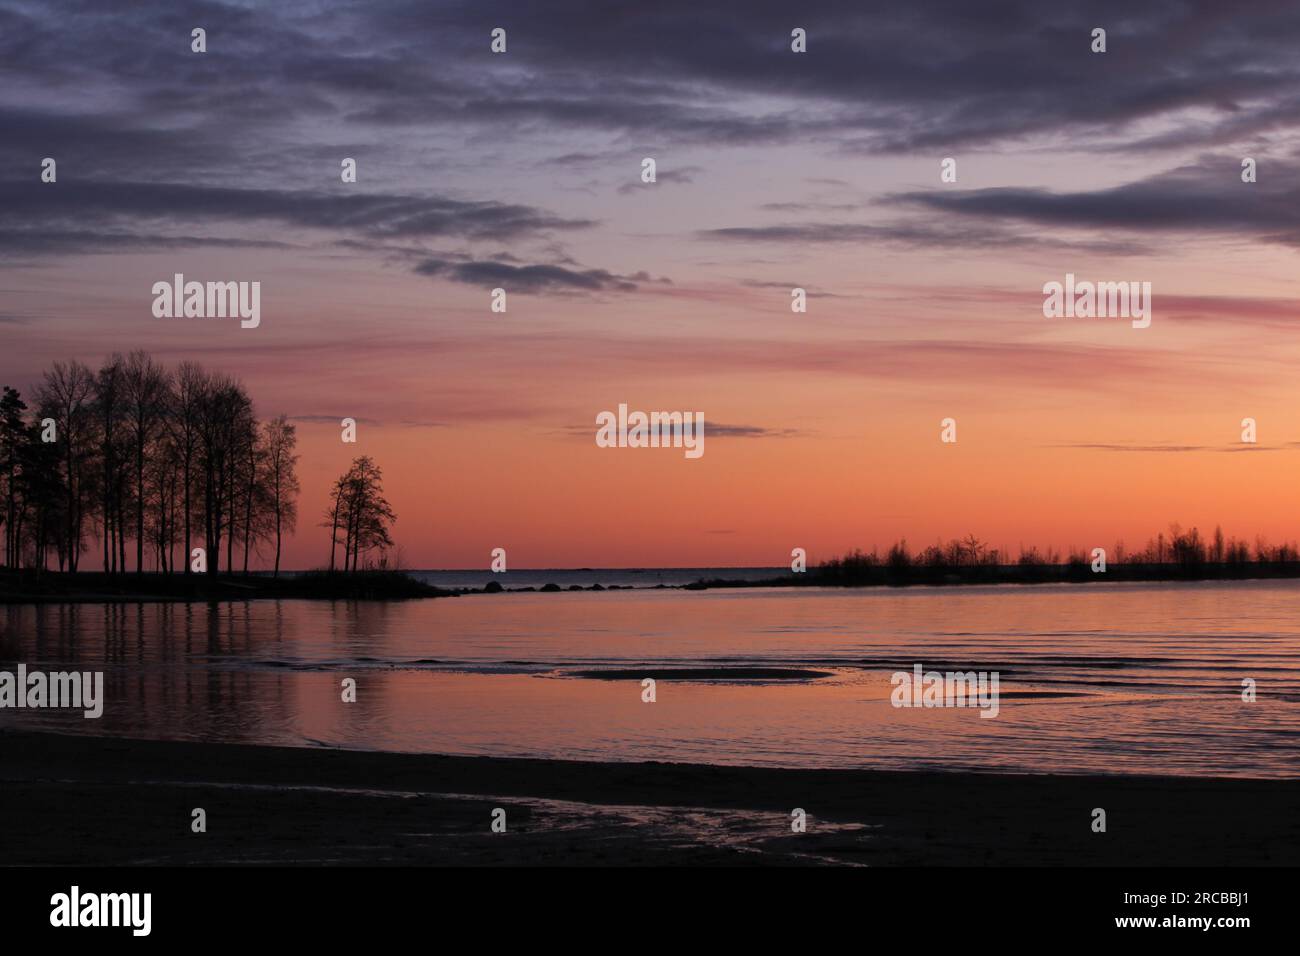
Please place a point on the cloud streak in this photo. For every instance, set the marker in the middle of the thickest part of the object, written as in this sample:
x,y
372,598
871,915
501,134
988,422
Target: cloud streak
x,y
531,278
32,209
1207,197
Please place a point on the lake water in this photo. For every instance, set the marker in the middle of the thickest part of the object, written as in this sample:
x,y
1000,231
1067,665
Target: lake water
x,y
1152,675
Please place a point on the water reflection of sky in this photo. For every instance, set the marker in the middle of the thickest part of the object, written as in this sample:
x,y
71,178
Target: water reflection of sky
x,y
1153,675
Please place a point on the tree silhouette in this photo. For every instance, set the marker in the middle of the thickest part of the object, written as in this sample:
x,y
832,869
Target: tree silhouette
x,y
140,454
360,510
281,478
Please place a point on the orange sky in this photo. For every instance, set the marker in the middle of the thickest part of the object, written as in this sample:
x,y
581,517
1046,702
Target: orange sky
x,y
926,298
484,424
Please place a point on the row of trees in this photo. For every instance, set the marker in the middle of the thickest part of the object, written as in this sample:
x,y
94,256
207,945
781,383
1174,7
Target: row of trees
x,y
1186,549
143,460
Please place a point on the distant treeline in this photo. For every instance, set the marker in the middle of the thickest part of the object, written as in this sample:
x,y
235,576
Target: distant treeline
x,y
142,461
1179,554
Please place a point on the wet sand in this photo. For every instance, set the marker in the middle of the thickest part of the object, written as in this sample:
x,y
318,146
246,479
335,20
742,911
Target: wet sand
x,y
101,801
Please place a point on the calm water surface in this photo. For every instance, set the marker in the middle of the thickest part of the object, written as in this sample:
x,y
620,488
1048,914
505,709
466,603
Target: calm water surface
x,y
1152,675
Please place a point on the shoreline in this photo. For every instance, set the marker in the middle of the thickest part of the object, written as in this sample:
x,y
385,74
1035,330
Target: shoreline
x,y
96,587
94,800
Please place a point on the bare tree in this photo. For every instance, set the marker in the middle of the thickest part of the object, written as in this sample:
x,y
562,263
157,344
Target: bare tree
x,y
975,548
13,436
191,389
224,409
146,388
109,405
256,495
282,480
65,395
361,511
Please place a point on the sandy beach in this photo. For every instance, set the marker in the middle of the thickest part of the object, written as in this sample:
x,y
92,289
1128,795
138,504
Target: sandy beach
x,y
100,801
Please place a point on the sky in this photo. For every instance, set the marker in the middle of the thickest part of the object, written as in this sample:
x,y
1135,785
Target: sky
x,y
820,170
